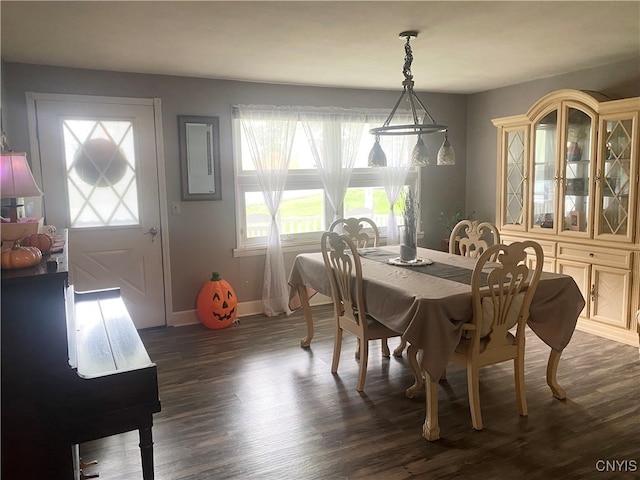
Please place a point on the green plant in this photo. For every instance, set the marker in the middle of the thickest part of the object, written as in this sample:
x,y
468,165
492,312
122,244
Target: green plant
x,y
450,220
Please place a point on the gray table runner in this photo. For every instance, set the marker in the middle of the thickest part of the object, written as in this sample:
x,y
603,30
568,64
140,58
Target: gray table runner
x,y
436,269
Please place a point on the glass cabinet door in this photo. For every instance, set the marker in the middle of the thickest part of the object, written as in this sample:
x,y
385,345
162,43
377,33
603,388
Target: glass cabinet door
x,y
577,162
514,187
614,177
544,181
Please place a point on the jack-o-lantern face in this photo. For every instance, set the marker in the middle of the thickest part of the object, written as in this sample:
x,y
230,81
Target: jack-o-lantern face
x,y
222,309
217,303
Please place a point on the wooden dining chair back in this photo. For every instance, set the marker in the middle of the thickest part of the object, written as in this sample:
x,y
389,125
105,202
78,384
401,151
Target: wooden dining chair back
x,y
501,294
470,238
344,270
362,231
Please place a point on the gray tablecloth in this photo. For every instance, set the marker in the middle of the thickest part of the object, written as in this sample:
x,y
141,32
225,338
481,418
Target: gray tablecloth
x,y
429,310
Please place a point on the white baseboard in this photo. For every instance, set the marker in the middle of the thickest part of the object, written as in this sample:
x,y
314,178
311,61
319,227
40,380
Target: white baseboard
x,y
245,309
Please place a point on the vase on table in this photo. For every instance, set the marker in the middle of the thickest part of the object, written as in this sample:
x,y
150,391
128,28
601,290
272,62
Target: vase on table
x,y
408,243
409,231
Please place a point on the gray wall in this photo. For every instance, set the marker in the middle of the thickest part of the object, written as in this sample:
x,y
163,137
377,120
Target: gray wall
x,y
203,236
618,80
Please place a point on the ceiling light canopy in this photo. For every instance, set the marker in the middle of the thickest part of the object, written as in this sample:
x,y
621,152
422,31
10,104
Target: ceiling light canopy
x,y
420,154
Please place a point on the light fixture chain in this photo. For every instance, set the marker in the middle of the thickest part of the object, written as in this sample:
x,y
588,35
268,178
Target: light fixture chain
x,y
406,69
414,103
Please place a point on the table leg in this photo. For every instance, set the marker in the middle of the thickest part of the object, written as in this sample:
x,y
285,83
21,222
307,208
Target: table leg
x,y
431,428
304,300
416,389
552,368
400,348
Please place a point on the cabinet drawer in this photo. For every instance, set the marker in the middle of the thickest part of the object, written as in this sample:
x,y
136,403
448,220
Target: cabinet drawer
x,y
548,247
595,255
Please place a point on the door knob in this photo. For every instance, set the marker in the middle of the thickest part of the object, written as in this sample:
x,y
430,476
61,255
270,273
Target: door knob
x,y
153,231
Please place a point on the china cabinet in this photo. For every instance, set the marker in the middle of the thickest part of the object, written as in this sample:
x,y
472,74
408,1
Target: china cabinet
x,y
568,178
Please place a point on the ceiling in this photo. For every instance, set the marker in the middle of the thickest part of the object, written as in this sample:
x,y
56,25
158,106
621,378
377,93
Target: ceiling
x,y
463,47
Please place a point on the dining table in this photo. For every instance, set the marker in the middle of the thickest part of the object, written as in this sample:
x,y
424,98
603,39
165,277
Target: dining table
x,y
429,301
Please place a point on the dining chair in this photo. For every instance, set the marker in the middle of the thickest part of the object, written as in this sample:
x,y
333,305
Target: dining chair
x,y
638,328
356,229
469,238
501,294
344,270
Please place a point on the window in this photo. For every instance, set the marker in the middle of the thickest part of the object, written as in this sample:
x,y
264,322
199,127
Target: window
x,y
305,210
101,173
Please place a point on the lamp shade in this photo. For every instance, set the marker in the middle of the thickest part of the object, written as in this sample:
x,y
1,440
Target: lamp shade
x,y
420,154
16,177
446,154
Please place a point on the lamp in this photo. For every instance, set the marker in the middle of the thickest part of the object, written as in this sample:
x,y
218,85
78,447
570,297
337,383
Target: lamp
x,y
16,180
420,154
377,158
446,155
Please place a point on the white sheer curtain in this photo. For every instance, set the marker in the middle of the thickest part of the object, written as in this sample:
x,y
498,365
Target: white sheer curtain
x,y
398,151
269,134
334,137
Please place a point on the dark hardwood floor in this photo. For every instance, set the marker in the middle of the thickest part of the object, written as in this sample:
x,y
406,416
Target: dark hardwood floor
x,y
247,402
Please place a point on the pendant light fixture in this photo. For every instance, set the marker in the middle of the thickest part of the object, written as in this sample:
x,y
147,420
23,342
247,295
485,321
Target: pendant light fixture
x,y
446,155
420,153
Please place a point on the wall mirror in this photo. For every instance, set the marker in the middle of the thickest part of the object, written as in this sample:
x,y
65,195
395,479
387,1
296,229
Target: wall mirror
x,y
199,140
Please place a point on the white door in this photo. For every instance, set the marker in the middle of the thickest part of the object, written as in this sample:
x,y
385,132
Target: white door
x,y
98,160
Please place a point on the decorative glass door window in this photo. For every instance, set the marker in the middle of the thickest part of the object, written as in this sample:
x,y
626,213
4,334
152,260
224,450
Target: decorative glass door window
x,y
516,176
615,177
101,173
577,167
545,174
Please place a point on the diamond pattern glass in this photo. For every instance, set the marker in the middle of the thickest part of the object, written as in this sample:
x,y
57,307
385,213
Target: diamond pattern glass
x,y
101,173
615,178
515,178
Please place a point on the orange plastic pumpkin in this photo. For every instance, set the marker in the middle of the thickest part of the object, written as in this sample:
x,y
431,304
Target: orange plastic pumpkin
x,y
20,257
217,304
42,241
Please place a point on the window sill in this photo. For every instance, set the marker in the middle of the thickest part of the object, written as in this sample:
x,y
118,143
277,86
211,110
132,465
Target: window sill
x,y
262,250
254,251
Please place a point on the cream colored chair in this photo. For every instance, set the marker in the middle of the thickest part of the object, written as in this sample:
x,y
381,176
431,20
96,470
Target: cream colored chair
x,y
469,238
356,229
501,298
362,231
344,269
638,322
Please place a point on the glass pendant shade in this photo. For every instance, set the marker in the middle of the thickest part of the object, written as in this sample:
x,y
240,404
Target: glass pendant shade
x,y
377,158
420,154
446,154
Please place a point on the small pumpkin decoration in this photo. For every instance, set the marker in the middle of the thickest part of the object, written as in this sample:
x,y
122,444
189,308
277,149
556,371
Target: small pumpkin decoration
x,y
20,257
217,304
42,241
